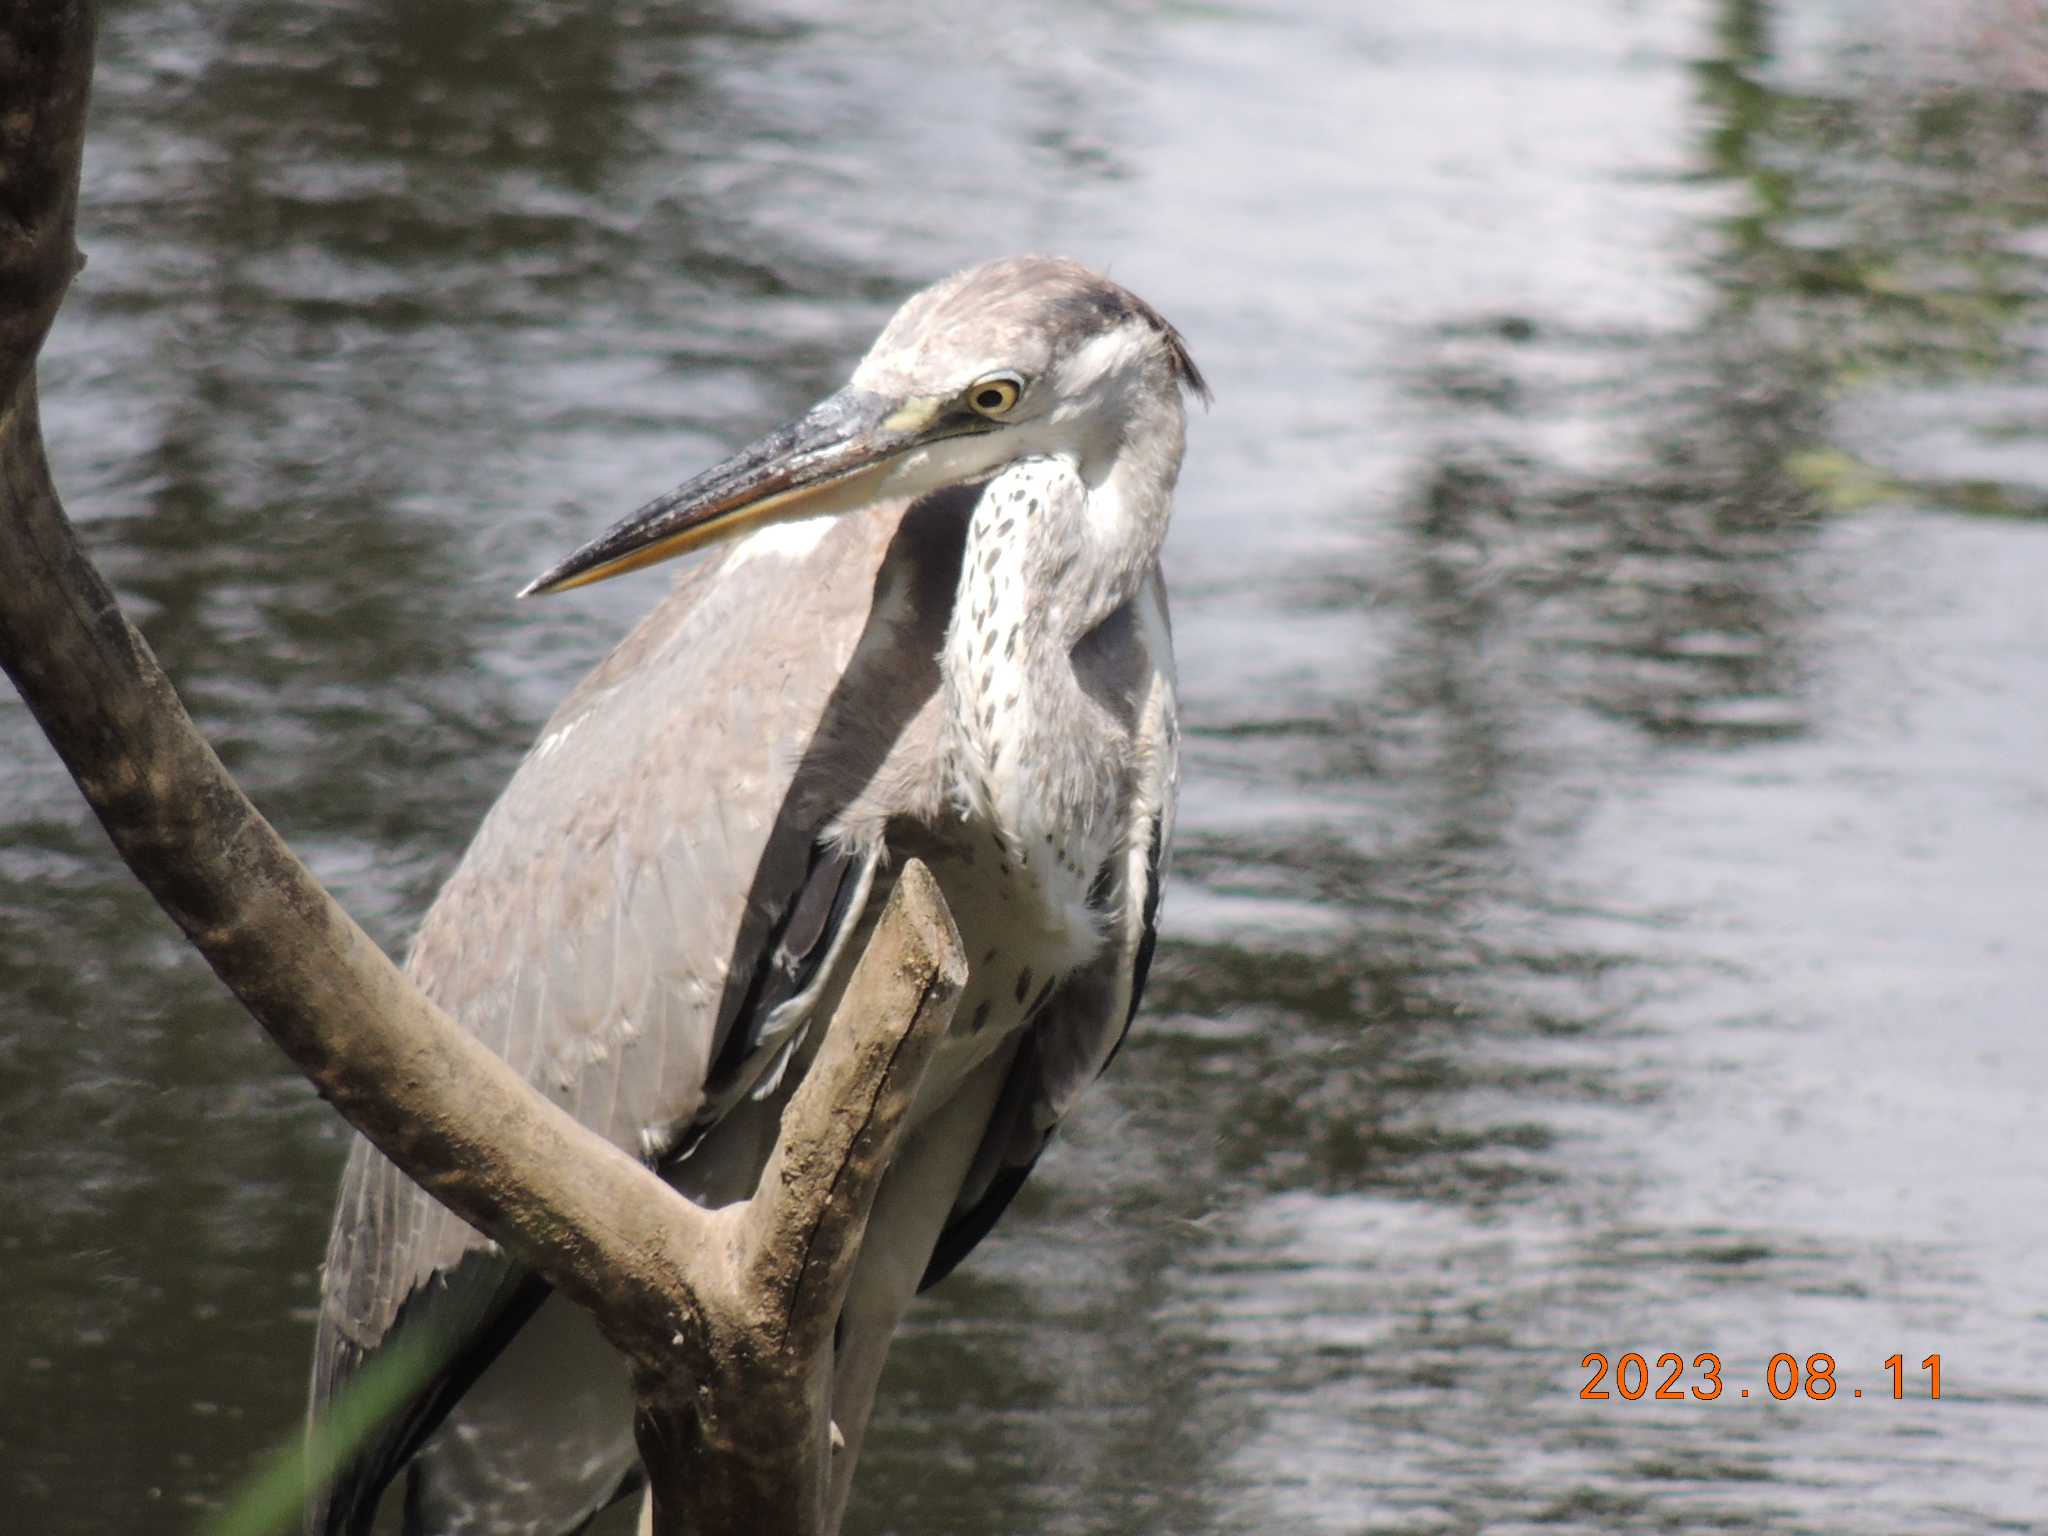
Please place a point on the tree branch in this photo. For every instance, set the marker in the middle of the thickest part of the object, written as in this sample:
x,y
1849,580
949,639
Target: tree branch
x,y
755,1450
725,1317
45,75
603,1228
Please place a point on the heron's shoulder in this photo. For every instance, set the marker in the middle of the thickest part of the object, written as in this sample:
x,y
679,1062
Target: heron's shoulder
x,y
754,609
651,794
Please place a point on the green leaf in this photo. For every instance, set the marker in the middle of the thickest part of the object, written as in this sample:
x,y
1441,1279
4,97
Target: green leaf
x,y
271,1498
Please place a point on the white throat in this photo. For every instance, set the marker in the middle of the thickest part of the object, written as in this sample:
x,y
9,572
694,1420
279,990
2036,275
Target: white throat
x,y
1025,739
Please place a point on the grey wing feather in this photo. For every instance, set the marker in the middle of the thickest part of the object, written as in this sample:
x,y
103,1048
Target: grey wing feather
x,y
603,930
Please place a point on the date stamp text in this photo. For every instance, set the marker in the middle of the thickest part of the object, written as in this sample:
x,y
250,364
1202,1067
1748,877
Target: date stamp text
x,y
1633,1378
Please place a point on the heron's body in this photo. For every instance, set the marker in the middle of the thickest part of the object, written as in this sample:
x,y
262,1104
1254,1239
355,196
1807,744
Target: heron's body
x,y
675,885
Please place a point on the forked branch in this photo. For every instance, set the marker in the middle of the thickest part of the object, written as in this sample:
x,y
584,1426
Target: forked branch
x,y
725,1317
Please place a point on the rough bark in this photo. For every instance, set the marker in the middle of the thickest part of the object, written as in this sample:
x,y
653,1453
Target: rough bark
x,y
725,1317
744,1436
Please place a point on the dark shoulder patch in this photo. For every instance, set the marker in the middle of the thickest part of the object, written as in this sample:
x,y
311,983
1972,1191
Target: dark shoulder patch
x,y
797,945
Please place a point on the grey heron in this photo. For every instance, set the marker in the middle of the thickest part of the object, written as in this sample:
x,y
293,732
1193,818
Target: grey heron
x,y
934,626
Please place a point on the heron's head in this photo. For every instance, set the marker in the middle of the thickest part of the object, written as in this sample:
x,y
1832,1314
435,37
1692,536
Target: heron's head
x,y
1027,357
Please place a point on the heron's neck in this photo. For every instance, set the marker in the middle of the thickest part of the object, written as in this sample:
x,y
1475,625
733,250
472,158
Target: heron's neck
x,y
1048,558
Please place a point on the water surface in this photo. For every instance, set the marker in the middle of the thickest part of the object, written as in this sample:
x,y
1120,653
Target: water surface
x,y
1612,598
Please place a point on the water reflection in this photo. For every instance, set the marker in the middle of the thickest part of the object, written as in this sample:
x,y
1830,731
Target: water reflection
x,y
1608,592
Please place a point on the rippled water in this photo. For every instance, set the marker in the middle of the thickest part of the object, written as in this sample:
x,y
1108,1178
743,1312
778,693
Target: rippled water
x,y
1612,594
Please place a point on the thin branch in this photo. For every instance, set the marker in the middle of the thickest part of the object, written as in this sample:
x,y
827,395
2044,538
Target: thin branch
x,y
805,1223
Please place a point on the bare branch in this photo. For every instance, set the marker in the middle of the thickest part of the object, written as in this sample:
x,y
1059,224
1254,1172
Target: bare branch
x,y
45,74
603,1228
805,1222
725,1316
755,1452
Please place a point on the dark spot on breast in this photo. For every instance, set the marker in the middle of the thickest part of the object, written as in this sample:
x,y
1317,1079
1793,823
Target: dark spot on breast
x,y
1034,505
1044,995
1003,528
988,642
1010,645
980,1020
990,955
1023,983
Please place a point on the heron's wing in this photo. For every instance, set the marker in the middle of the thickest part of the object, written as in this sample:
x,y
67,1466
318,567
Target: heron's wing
x,y
1085,1022
634,928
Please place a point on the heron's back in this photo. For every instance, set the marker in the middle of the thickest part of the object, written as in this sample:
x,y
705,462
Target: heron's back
x,y
603,928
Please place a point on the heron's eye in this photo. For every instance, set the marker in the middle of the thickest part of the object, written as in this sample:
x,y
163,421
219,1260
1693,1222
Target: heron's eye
x,y
996,394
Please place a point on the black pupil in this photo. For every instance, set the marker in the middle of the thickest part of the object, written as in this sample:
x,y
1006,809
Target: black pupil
x,y
989,399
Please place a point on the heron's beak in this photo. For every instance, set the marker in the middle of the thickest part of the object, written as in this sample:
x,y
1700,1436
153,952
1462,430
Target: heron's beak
x,y
833,458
